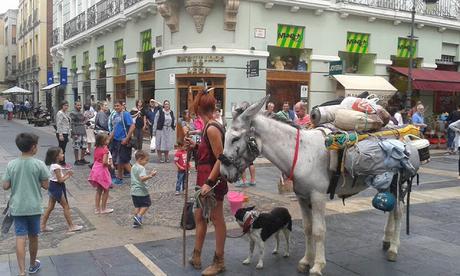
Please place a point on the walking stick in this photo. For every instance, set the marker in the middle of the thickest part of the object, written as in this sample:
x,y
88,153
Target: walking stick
x,y
184,211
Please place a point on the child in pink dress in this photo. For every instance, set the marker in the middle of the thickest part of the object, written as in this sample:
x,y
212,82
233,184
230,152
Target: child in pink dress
x,y
100,175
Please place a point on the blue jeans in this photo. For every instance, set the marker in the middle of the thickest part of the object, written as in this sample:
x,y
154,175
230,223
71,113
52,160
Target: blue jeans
x,y
180,181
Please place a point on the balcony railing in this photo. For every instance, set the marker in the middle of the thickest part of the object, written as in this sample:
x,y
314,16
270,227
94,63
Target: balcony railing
x,y
91,15
106,9
56,36
75,26
129,3
444,8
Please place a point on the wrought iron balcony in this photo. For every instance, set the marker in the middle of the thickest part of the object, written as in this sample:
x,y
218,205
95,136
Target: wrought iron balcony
x,y
107,8
91,17
56,36
129,3
449,9
75,26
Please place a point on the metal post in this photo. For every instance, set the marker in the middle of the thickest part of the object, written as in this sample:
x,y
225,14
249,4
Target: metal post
x,y
409,73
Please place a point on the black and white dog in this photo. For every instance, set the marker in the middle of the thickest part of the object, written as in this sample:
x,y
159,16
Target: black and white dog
x,y
261,226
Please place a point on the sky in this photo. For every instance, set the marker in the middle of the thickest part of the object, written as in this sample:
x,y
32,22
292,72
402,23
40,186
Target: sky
x,y
8,4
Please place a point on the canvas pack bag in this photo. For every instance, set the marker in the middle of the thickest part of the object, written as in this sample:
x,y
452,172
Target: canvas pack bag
x,y
352,120
365,158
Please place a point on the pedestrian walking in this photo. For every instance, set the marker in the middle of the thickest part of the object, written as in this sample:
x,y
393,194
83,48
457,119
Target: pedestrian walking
x,y
99,176
150,114
211,186
181,162
164,127
122,131
25,176
5,111
139,193
453,117
252,175
90,117
455,126
418,119
63,127
78,132
57,190
218,117
138,115
10,109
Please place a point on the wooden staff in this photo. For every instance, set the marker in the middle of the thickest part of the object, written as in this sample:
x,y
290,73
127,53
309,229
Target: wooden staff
x,y
184,211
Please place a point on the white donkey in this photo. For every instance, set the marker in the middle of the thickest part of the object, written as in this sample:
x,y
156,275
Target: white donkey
x,y
252,133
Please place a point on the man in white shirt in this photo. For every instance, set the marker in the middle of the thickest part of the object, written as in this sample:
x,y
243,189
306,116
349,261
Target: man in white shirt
x,y
5,112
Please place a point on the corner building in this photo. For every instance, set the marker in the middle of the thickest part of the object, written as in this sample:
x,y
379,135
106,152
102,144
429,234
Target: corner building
x,y
138,49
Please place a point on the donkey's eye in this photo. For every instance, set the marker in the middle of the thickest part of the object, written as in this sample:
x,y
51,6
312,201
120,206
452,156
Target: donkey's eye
x,y
236,139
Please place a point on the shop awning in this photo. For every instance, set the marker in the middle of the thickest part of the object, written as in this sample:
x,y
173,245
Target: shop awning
x,y
432,80
51,86
355,85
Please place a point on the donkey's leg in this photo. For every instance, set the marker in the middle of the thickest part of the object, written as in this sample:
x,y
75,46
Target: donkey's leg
x,y
287,234
392,253
308,259
389,231
277,243
318,201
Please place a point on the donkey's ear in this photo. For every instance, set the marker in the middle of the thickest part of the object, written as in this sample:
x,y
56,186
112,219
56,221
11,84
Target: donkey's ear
x,y
252,110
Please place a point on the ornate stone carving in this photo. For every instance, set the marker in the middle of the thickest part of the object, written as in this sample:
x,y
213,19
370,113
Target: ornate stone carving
x,y
231,11
199,10
169,9
57,54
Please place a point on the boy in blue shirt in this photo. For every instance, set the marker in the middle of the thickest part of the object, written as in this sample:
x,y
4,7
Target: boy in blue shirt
x,y
25,176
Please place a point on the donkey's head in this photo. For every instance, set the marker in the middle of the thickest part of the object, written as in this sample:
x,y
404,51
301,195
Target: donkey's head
x,y
241,147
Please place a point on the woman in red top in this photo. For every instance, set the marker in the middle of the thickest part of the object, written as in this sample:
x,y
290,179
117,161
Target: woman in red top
x,y
208,178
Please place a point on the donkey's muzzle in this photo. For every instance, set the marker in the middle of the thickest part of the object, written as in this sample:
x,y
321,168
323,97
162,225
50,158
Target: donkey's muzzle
x,y
225,160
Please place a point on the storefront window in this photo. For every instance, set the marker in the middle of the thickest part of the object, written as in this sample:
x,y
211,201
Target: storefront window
x,y
356,63
146,55
288,59
119,60
86,66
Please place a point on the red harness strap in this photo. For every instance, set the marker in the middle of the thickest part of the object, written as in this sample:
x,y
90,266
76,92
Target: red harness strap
x,y
296,155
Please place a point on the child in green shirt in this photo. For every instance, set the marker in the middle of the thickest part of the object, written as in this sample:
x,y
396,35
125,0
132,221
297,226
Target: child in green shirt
x,y
139,192
25,176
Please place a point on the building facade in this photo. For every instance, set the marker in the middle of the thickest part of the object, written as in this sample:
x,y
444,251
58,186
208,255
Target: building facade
x,y
8,49
32,47
138,49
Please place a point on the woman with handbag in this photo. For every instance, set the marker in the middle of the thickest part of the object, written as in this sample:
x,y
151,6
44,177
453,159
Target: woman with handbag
x,y
163,128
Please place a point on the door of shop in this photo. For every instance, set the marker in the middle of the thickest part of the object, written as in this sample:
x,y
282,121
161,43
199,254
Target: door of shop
x,y
189,86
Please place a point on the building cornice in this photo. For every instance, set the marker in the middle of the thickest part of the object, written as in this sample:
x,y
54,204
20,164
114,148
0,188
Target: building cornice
x,y
324,58
383,62
208,51
132,60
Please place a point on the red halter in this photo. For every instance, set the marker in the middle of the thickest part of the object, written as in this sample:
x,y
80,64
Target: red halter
x,y
296,155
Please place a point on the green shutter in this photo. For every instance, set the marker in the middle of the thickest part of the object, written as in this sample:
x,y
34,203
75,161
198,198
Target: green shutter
x,y
100,54
290,36
357,43
86,58
119,48
403,48
73,63
146,40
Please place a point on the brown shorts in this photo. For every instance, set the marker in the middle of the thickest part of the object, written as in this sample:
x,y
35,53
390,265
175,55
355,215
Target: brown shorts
x,y
203,173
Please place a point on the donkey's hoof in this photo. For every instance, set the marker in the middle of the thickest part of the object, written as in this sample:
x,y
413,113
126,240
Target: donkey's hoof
x,y
385,245
316,273
392,256
274,252
303,268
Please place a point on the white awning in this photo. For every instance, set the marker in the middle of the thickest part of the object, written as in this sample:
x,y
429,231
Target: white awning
x,y
355,85
51,86
16,90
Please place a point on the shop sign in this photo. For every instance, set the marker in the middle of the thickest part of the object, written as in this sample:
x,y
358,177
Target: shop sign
x,y
404,48
63,76
357,43
335,68
304,92
50,78
260,32
252,68
172,79
290,36
203,59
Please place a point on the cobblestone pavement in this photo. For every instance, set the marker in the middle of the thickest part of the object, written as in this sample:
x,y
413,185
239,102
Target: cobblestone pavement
x,y
103,235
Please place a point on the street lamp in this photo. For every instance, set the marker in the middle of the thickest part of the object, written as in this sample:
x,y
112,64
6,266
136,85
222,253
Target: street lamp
x,y
411,41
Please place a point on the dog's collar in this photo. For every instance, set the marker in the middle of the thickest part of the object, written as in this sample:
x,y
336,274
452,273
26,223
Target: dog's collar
x,y
249,219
